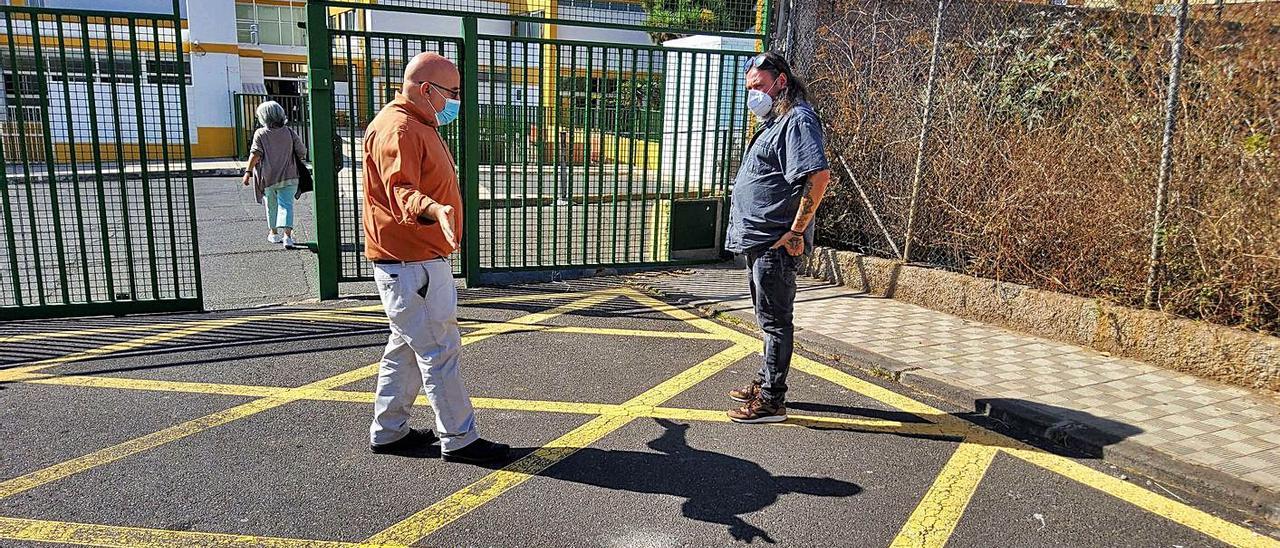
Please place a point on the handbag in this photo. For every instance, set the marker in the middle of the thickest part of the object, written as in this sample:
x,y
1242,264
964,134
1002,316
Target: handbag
x,y
306,183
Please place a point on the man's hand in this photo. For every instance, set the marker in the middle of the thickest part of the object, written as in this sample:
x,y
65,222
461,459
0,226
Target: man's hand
x,y
792,241
446,216
245,180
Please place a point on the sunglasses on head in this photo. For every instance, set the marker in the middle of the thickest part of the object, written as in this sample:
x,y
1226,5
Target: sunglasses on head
x,y
762,62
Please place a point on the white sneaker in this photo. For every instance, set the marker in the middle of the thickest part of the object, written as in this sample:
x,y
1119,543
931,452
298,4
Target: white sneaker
x,y
273,238
289,242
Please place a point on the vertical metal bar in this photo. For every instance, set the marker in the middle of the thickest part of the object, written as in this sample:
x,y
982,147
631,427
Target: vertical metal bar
x,y
688,134
186,153
74,159
33,239
368,81
734,103
678,95
648,152
90,82
237,115
540,117
586,159
120,160
716,122
634,119
50,159
925,125
617,150
352,235
507,134
520,142
141,124
702,139
320,89
767,25
599,123
558,159
1166,157
15,272
164,146
490,146
471,160
573,129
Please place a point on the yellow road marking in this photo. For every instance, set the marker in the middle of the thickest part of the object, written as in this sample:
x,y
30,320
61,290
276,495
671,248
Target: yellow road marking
x,y
1170,509
935,518
525,298
431,519
73,333
119,451
218,389
136,537
507,327
1173,510
981,444
532,406
124,449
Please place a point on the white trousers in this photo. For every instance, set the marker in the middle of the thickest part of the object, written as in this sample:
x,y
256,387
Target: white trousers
x,y
423,350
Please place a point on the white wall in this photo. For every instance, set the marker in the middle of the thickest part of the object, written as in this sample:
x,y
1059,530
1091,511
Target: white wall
x,y
213,21
214,76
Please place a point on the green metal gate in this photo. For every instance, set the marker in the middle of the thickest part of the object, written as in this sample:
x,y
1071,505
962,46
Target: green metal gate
x,y
96,197
576,152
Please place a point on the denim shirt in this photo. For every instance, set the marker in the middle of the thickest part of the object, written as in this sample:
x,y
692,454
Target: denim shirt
x,y
784,152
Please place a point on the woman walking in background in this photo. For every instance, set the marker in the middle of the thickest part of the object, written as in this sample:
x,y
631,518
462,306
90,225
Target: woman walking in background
x,y
273,167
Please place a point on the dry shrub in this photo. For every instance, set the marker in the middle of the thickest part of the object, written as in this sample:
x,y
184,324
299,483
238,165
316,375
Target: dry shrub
x,y
1044,151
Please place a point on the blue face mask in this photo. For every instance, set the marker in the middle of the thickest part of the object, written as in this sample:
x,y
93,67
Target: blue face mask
x,y
450,112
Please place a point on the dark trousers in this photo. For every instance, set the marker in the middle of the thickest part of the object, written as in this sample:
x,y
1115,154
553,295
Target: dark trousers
x,y
773,293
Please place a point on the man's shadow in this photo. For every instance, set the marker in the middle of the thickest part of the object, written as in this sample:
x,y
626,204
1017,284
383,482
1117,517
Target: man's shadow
x,y
716,488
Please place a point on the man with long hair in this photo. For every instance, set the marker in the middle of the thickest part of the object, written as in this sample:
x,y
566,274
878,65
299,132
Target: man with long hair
x,y
783,177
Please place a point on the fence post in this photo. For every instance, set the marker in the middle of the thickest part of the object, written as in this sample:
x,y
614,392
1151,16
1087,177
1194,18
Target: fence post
x,y
184,67
471,150
1166,155
320,89
925,123
237,112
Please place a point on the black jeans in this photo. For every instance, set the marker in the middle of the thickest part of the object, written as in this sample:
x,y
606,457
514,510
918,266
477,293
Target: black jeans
x,y
773,293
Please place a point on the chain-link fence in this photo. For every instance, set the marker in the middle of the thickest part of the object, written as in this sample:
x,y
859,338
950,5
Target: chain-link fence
x,y
1041,145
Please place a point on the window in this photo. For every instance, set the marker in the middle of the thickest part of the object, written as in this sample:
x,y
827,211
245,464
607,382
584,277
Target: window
x,y
270,25
160,71
526,29
284,69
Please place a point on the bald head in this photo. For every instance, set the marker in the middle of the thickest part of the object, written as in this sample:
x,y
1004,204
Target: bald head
x,y
429,79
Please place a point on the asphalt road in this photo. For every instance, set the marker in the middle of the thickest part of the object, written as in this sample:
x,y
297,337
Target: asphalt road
x,y
250,427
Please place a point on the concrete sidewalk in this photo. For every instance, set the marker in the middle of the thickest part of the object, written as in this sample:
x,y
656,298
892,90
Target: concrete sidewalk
x,y
1207,438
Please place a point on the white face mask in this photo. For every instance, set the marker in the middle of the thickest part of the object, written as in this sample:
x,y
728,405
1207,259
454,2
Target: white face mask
x,y
760,103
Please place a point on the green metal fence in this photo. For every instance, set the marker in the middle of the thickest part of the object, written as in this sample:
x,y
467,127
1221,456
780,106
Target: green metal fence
x,y
98,213
246,122
573,153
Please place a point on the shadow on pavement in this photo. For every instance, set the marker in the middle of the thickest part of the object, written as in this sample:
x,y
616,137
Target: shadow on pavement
x,y
716,488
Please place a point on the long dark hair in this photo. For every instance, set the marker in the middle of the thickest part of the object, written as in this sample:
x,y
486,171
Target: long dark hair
x,y
796,91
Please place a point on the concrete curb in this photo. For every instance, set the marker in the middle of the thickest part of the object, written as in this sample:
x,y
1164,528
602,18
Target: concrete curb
x,y
1025,418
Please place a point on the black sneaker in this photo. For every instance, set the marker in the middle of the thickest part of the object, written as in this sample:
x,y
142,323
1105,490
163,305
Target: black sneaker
x,y
479,451
412,442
